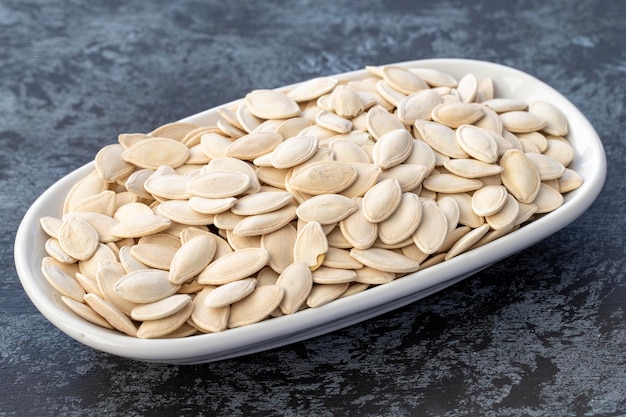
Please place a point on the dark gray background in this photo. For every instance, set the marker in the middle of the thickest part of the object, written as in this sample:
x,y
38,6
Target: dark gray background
x,y
541,333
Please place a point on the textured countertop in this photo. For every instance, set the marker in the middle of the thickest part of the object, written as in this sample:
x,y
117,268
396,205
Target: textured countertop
x,y
542,333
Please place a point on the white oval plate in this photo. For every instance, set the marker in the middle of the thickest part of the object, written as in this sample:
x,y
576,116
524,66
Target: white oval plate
x,y
590,163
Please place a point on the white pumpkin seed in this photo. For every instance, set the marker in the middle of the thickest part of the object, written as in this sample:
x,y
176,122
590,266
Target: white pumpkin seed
x,y
506,216
262,202
382,200
192,258
210,320
379,121
323,177
253,145
548,199
145,286
477,143
151,329
392,148
326,208
161,309
440,138
489,200
234,266
367,275
467,241
519,176
271,104
296,281
279,244
432,229
155,152
62,282
522,121
294,151
78,238
154,255
385,260
111,314
556,122
311,245
230,293
312,89
324,293
256,306
86,312
455,114
403,222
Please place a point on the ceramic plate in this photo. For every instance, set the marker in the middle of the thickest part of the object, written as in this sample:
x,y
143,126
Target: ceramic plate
x,y
589,162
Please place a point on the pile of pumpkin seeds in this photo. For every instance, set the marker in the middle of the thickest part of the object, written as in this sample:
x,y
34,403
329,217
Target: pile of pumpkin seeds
x,y
295,198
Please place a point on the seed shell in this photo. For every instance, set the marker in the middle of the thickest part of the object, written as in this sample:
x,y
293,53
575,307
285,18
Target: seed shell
x,y
271,104
192,258
385,260
382,200
256,306
325,177
155,152
519,176
234,266
433,228
151,329
111,314
160,309
326,208
145,286
229,293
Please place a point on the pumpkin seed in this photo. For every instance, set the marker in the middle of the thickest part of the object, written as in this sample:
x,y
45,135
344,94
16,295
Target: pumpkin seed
x,y
506,216
260,224
296,281
230,293
145,286
392,148
311,245
62,282
234,266
78,238
455,114
271,104
382,200
86,312
556,122
325,177
155,152
151,329
519,176
432,229
522,121
477,143
326,208
279,244
403,222
385,260
111,314
324,293
192,258
211,320
489,200
256,306
262,202
161,309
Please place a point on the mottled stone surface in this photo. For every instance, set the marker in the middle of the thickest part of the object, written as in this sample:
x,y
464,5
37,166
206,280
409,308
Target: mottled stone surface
x,y
542,333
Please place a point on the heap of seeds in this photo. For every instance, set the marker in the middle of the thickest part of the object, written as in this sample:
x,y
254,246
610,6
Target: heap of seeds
x,y
296,198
